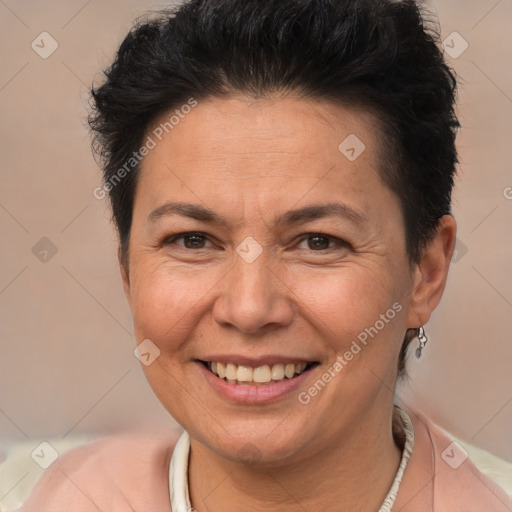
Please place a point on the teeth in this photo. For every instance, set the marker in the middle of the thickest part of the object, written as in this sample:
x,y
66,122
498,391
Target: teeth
x,y
299,368
221,370
261,375
278,372
289,370
244,374
231,371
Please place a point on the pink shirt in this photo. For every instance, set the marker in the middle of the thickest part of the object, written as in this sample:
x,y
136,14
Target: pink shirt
x,y
127,473
440,477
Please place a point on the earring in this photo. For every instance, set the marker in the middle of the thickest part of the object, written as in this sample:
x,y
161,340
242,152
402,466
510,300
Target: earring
x,y
422,338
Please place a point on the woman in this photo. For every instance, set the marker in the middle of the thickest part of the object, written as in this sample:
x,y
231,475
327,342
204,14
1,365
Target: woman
x,y
280,174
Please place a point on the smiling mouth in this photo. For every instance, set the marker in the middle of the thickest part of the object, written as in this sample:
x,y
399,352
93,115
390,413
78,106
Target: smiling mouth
x,y
262,375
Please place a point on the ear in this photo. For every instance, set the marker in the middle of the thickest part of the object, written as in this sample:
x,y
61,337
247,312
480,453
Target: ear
x,y
431,273
125,276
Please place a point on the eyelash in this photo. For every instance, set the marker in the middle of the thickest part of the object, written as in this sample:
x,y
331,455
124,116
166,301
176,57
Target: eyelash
x,y
341,243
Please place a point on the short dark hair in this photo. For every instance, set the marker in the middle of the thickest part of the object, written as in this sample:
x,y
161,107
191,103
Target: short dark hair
x,y
381,55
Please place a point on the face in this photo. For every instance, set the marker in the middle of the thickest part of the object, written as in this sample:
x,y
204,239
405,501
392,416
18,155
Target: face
x,y
292,253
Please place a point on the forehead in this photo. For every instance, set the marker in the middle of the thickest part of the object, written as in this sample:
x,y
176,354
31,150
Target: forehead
x,y
228,148
245,126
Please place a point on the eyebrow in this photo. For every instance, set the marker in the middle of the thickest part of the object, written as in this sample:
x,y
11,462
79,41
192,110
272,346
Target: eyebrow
x,y
297,216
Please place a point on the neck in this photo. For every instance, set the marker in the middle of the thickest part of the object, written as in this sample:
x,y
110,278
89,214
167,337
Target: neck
x,y
353,473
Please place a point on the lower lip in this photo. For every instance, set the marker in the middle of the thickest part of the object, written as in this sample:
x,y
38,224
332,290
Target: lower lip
x,y
253,394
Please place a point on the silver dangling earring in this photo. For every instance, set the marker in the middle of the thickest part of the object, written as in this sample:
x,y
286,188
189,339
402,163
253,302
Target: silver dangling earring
x,y
422,338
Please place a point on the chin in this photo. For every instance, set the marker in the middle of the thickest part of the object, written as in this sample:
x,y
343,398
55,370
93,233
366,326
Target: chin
x,y
254,443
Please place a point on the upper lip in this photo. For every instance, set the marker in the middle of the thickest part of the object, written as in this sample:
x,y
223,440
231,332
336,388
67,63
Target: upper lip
x,y
255,362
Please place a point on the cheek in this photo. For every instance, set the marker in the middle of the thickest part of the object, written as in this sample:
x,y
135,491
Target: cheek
x,y
338,305
166,301
353,304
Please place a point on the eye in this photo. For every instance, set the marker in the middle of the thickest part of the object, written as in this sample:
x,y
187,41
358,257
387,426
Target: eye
x,y
319,242
190,240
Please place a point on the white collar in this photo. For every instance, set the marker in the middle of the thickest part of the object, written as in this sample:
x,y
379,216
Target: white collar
x,y
178,469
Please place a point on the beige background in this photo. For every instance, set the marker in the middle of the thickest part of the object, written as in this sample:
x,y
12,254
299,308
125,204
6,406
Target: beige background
x,y
66,360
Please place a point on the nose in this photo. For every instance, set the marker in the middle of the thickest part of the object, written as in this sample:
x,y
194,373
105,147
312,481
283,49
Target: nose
x,y
253,298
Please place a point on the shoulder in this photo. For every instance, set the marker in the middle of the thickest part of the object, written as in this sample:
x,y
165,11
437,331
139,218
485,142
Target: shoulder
x,y
118,473
447,475
456,470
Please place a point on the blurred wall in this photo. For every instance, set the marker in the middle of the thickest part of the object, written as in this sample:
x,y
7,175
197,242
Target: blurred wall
x,y
66,360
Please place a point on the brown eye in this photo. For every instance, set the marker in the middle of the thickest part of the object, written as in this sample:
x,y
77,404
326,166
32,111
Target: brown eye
x,y
190,240
318,242
194,241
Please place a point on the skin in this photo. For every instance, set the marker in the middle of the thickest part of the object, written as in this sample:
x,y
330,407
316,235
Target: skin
x,y
250,161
